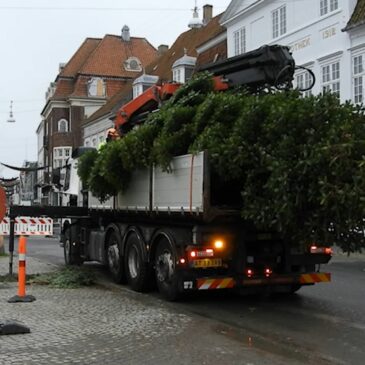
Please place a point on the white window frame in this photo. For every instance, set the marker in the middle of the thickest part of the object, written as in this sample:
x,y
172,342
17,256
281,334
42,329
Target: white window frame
x,y
358,73
177,75
60,155
96,87
137,90
327,6
239,39
330,76
279,21
62,122
303,80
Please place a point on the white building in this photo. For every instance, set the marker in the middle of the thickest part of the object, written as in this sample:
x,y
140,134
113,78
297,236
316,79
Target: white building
x,y
317,32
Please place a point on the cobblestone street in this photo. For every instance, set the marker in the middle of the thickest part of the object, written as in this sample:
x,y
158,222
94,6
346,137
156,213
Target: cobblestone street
x,y
108,325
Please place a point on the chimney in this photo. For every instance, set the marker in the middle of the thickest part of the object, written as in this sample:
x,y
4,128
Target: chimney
x,y
162,48
61,66
207,14
125,34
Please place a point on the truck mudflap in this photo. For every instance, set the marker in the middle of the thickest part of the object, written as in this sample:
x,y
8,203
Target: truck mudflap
x,y
212,283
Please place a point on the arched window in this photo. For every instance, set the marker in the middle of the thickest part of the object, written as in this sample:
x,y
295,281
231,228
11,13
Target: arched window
x,y
62,125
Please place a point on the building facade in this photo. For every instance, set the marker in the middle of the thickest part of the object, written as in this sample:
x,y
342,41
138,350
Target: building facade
x,y
98,70
200,45
315,31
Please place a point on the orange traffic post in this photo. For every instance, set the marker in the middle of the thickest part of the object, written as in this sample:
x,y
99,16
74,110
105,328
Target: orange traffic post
x,y
22,297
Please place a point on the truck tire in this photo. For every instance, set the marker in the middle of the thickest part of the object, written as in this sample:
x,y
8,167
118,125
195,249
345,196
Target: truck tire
x,y
70,251
136,268
165,270
114,257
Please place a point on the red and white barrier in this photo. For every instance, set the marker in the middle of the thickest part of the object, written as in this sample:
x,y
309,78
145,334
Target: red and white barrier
x,y
28,226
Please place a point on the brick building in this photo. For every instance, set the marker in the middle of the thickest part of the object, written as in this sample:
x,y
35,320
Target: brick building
x,y
99,70
204,43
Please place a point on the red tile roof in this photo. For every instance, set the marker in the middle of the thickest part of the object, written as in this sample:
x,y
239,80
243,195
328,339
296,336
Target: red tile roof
x,y
161,66
102,58
114,103
189,40
108,57
79,58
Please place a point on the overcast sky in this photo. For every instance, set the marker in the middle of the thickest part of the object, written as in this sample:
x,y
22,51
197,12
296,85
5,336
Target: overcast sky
x,y
36,35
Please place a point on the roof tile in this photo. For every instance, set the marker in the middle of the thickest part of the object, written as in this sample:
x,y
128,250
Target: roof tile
x,y
108,57
188,40
78,59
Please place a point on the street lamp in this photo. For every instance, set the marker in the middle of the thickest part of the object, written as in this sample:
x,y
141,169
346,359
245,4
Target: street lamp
x,y
11,118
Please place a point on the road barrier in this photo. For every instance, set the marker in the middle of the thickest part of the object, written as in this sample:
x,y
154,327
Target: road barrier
x,y
28,226
22,297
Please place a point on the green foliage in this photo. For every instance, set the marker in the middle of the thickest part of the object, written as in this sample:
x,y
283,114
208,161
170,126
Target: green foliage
x,y
67,278
85,162
299,162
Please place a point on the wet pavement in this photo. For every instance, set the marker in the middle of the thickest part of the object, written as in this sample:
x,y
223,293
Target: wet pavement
x,y
109,325
322,324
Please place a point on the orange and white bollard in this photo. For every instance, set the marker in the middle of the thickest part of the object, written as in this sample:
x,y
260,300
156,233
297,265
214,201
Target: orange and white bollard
x,y
22,297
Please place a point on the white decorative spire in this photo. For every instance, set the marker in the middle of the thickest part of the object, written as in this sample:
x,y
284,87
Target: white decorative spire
x,y
195,22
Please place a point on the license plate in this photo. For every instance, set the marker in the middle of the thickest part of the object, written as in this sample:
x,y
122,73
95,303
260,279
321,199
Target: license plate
x,y
207,263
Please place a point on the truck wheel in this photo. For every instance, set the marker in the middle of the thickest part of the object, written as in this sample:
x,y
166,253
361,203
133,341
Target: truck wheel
x,y
114,258
136,269
70,251
165,269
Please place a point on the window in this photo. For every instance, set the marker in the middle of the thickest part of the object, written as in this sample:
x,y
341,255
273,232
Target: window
x,y
331,77
279,22
137,90
96,87
239,37
60,156
132,64
62,126
326,6
177,75
304,80
357,75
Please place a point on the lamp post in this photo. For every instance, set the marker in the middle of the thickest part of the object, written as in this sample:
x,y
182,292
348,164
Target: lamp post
x,y
11,117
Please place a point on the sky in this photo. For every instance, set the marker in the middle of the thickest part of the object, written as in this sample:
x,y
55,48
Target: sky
x,y
37,35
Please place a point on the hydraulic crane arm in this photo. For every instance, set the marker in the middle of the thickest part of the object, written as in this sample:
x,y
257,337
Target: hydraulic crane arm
x,y
265,67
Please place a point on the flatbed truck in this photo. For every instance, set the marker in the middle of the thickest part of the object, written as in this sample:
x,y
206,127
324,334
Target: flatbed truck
x,y
182,230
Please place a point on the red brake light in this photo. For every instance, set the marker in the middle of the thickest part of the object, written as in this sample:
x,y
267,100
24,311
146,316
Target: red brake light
x,y
323,250
328,251
249,273
268,272
208,252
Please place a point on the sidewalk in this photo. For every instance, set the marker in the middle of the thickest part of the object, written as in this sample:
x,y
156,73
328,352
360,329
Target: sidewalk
x,y
98,325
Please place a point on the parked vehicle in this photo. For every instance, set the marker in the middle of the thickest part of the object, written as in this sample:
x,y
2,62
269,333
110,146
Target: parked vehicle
x,y
181,230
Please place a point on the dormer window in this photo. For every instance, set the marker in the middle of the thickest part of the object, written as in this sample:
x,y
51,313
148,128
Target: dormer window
x,y
96,87
142,83
133,64
183,68
62,126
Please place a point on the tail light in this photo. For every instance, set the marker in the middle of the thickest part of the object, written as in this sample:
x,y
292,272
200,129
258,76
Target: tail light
x,y
209,252
268,272
322,250
249,273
